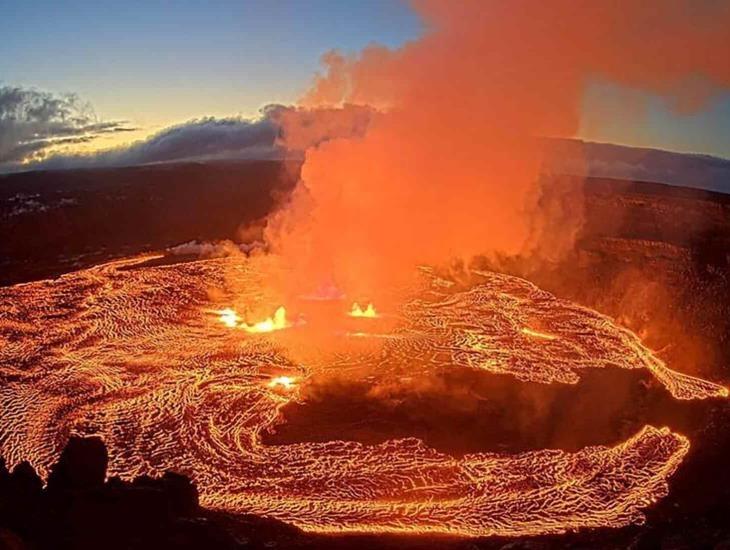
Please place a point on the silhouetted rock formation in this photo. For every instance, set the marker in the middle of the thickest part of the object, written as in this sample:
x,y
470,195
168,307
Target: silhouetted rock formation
x,y
81,467
80,509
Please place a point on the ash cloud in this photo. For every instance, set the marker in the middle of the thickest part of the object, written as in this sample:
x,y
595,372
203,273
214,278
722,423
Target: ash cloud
x,y
33,121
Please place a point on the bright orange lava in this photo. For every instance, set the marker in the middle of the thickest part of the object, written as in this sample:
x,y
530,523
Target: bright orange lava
x,y
131,353
284,382
277,322
537,334
230,318
368,312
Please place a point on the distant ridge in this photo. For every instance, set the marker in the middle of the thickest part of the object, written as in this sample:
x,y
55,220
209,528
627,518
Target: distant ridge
x,y
564,156
607,160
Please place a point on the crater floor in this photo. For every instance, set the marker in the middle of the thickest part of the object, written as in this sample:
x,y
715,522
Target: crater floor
x,y
135,353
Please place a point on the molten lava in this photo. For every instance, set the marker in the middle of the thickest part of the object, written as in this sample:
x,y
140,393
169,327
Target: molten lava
x,y
277,322
230,318
368,312
130,353
537,334
284,382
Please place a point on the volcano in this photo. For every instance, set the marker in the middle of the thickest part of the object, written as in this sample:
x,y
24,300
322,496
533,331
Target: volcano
x,y
127,352
157,354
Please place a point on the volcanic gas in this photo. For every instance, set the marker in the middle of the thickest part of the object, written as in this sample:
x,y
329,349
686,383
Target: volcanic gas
x,y
131,352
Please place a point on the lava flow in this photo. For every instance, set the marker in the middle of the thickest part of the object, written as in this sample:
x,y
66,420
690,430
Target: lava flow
x,y
131,353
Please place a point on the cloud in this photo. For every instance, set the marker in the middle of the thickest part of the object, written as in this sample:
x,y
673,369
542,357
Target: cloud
x,y
212,138
451,168
201,139
32,122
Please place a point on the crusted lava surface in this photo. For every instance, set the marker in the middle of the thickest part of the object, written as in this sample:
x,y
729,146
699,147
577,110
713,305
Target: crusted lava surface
x,y
642,270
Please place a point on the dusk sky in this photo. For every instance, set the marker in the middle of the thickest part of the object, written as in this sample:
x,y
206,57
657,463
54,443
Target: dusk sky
x,y
155,63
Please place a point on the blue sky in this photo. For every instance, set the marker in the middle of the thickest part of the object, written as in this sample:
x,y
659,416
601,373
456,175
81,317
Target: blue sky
x,y
157,63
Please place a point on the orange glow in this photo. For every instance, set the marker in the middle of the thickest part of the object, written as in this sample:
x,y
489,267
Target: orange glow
x,y
277,322
283,382
228,317
537,334
368,312
213,398
448,165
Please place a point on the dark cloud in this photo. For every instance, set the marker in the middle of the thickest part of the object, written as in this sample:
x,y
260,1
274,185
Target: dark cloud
x,y
32,121
202,139
228,138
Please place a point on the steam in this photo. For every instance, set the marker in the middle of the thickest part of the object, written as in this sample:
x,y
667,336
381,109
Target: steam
x,y
449,167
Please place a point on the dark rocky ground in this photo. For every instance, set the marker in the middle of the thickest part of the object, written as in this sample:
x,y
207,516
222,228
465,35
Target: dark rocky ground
x,y
56,222
652,256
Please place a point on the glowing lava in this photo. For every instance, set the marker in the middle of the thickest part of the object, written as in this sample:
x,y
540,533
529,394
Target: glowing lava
x,y
277,322
229,317
283,382
131,354
537,334
368,312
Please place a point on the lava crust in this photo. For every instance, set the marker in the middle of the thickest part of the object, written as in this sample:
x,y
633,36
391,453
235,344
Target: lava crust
x,y
133,353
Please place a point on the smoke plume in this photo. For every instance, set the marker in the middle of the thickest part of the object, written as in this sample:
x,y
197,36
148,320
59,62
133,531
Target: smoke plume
x,y
449,166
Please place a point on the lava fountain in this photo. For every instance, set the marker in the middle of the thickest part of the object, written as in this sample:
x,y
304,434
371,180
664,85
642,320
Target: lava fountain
x,y
230,318
368,312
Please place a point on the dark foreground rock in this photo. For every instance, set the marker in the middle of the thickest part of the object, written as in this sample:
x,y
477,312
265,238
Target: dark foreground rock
x,y
80,508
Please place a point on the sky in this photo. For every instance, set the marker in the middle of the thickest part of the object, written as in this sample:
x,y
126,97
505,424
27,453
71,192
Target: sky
x,y
154,63
650,121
